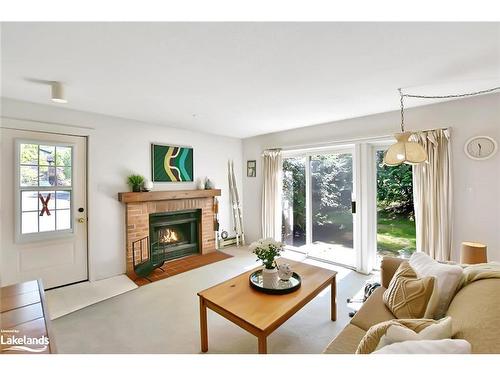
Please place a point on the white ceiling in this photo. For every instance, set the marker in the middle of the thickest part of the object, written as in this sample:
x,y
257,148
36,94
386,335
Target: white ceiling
x,y
245,79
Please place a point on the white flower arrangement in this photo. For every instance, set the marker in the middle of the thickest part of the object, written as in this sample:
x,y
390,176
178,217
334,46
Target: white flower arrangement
x,y
267,250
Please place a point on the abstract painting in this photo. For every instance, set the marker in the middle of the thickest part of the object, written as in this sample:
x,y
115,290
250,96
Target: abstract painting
x,y
171,163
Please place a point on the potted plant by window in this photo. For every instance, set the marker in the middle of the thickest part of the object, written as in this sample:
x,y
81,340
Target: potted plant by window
x,y
267,250
135,181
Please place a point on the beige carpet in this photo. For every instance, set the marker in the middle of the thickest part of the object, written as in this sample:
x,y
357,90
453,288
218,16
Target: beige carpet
x,y
163,317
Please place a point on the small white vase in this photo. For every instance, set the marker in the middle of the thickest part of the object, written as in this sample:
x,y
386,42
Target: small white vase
x,y
147,185
270,278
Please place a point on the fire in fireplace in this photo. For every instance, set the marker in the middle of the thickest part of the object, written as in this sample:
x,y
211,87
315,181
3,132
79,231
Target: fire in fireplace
x,y
174,235
168,236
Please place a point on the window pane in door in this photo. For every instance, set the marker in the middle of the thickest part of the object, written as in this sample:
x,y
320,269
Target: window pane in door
x,y
63,219
28,154
47,176
29,175
331,201
29,222
63,176
63,199
395,214
47,222
47,155
29,201
63,156
293,228
49,197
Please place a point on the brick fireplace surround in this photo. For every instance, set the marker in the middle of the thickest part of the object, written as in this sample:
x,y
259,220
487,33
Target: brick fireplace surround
x,y
140,205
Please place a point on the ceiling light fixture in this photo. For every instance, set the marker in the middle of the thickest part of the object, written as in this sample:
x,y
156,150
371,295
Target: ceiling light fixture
x,y
57,91
409,151
404,150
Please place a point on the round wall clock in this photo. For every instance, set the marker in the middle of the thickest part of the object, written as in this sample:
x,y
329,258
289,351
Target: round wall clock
x,y
480,147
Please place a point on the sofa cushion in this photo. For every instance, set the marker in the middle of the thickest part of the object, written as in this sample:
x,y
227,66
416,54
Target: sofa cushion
x,y
408,296
373,311
346,341
475,311
447,276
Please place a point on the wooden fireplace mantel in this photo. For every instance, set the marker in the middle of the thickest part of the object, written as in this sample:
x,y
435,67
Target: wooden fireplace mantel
x,y
167,195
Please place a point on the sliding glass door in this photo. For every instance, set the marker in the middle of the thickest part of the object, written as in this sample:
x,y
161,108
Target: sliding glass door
x,y
345,206
317,202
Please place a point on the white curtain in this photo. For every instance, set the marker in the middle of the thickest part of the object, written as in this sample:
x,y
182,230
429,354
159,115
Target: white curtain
x,y
432,195
271,194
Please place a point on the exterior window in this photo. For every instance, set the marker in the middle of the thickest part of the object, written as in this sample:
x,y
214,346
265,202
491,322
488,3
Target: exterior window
x,y
45,187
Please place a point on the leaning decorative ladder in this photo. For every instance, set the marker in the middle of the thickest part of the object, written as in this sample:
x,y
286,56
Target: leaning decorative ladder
x,y
235,205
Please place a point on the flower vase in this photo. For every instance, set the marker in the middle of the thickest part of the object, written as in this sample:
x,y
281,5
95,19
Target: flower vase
x,y
270,278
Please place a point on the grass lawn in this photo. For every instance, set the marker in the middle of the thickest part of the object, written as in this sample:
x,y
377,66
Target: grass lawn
x,y
394,234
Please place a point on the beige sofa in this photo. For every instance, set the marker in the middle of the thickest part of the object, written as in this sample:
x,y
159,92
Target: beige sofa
x,y
475,313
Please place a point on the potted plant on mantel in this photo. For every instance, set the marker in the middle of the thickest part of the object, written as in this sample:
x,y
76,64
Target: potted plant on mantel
x,y
267,250
135,181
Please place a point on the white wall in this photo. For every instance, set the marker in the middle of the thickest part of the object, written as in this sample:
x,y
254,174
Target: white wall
x,y
476,183
118,147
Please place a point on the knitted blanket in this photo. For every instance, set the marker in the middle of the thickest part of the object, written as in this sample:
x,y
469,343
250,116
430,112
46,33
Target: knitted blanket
x,y
478,272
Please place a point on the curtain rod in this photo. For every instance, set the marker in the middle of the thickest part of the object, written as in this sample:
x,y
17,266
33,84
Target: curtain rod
x,y
327,144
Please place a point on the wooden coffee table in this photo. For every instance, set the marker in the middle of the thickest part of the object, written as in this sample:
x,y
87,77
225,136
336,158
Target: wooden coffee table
x,y
259,313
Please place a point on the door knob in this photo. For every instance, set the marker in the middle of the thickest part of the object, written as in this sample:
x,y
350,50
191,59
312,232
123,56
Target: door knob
x,y
81,220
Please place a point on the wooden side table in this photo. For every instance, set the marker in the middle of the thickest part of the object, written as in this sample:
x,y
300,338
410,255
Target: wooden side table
x,y
23,312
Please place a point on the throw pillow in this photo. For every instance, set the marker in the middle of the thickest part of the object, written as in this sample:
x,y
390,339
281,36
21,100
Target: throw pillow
x,y
447,279
391,331
397,333
407,296
445,346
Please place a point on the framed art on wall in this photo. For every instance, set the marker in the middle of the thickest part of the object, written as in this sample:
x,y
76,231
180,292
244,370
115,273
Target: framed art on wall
x,y
251,168
171,163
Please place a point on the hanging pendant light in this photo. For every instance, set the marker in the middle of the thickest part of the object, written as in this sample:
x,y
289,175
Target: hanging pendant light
x,y
404,150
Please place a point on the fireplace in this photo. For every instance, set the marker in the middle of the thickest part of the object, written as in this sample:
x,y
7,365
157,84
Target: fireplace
x,y
174,235
161,207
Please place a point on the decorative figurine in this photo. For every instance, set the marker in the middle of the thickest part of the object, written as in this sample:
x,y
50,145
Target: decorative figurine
x,y
201,184
209,184
147,185
285,271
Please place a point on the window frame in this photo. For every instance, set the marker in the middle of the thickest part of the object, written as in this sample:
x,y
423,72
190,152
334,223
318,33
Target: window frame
x,y
18,190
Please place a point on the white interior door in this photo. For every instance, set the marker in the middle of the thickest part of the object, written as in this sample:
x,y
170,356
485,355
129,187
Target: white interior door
x,y
43,208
